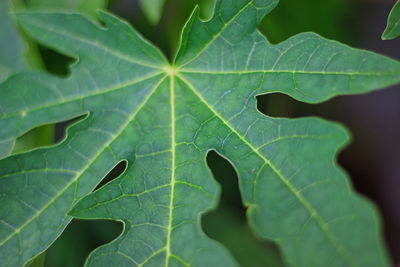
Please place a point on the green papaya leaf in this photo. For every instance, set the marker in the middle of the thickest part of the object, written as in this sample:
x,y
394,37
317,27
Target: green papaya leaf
x,y
17,53
393,25
162,119
12,46
152,9
87,7
6,147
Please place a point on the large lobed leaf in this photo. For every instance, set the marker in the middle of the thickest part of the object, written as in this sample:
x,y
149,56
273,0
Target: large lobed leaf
x,y
393,25
163,119
18,53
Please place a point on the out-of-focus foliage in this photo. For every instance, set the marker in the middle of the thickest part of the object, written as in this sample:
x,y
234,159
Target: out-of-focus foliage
x,y
228,225
152,9
16,52
323,17
393,26
87,7
237,236
78,240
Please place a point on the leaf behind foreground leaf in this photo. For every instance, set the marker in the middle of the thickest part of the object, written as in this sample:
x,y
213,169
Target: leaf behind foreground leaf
x,y
393,25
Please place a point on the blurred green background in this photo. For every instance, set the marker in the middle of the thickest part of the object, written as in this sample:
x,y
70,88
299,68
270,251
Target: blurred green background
x,y
372,160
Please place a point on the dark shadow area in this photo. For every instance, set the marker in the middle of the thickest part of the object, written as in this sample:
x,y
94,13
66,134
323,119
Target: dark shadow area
x,y
228,224
329,19
55,62
79,239
382,110
281,105
372,158
357,155
113,174
166,33
61,128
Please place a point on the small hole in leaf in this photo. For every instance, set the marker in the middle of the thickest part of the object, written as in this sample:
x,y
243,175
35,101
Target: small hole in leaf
x,y
79,239
228,224
113,174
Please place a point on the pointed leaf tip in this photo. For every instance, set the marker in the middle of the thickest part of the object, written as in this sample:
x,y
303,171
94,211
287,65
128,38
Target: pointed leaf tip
x,y
392,30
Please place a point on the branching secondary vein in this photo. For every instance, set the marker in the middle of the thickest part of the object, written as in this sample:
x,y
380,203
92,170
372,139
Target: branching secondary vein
x,y
313,213
80,172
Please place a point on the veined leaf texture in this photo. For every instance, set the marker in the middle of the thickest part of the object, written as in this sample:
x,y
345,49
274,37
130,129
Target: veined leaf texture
x,y
163,118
